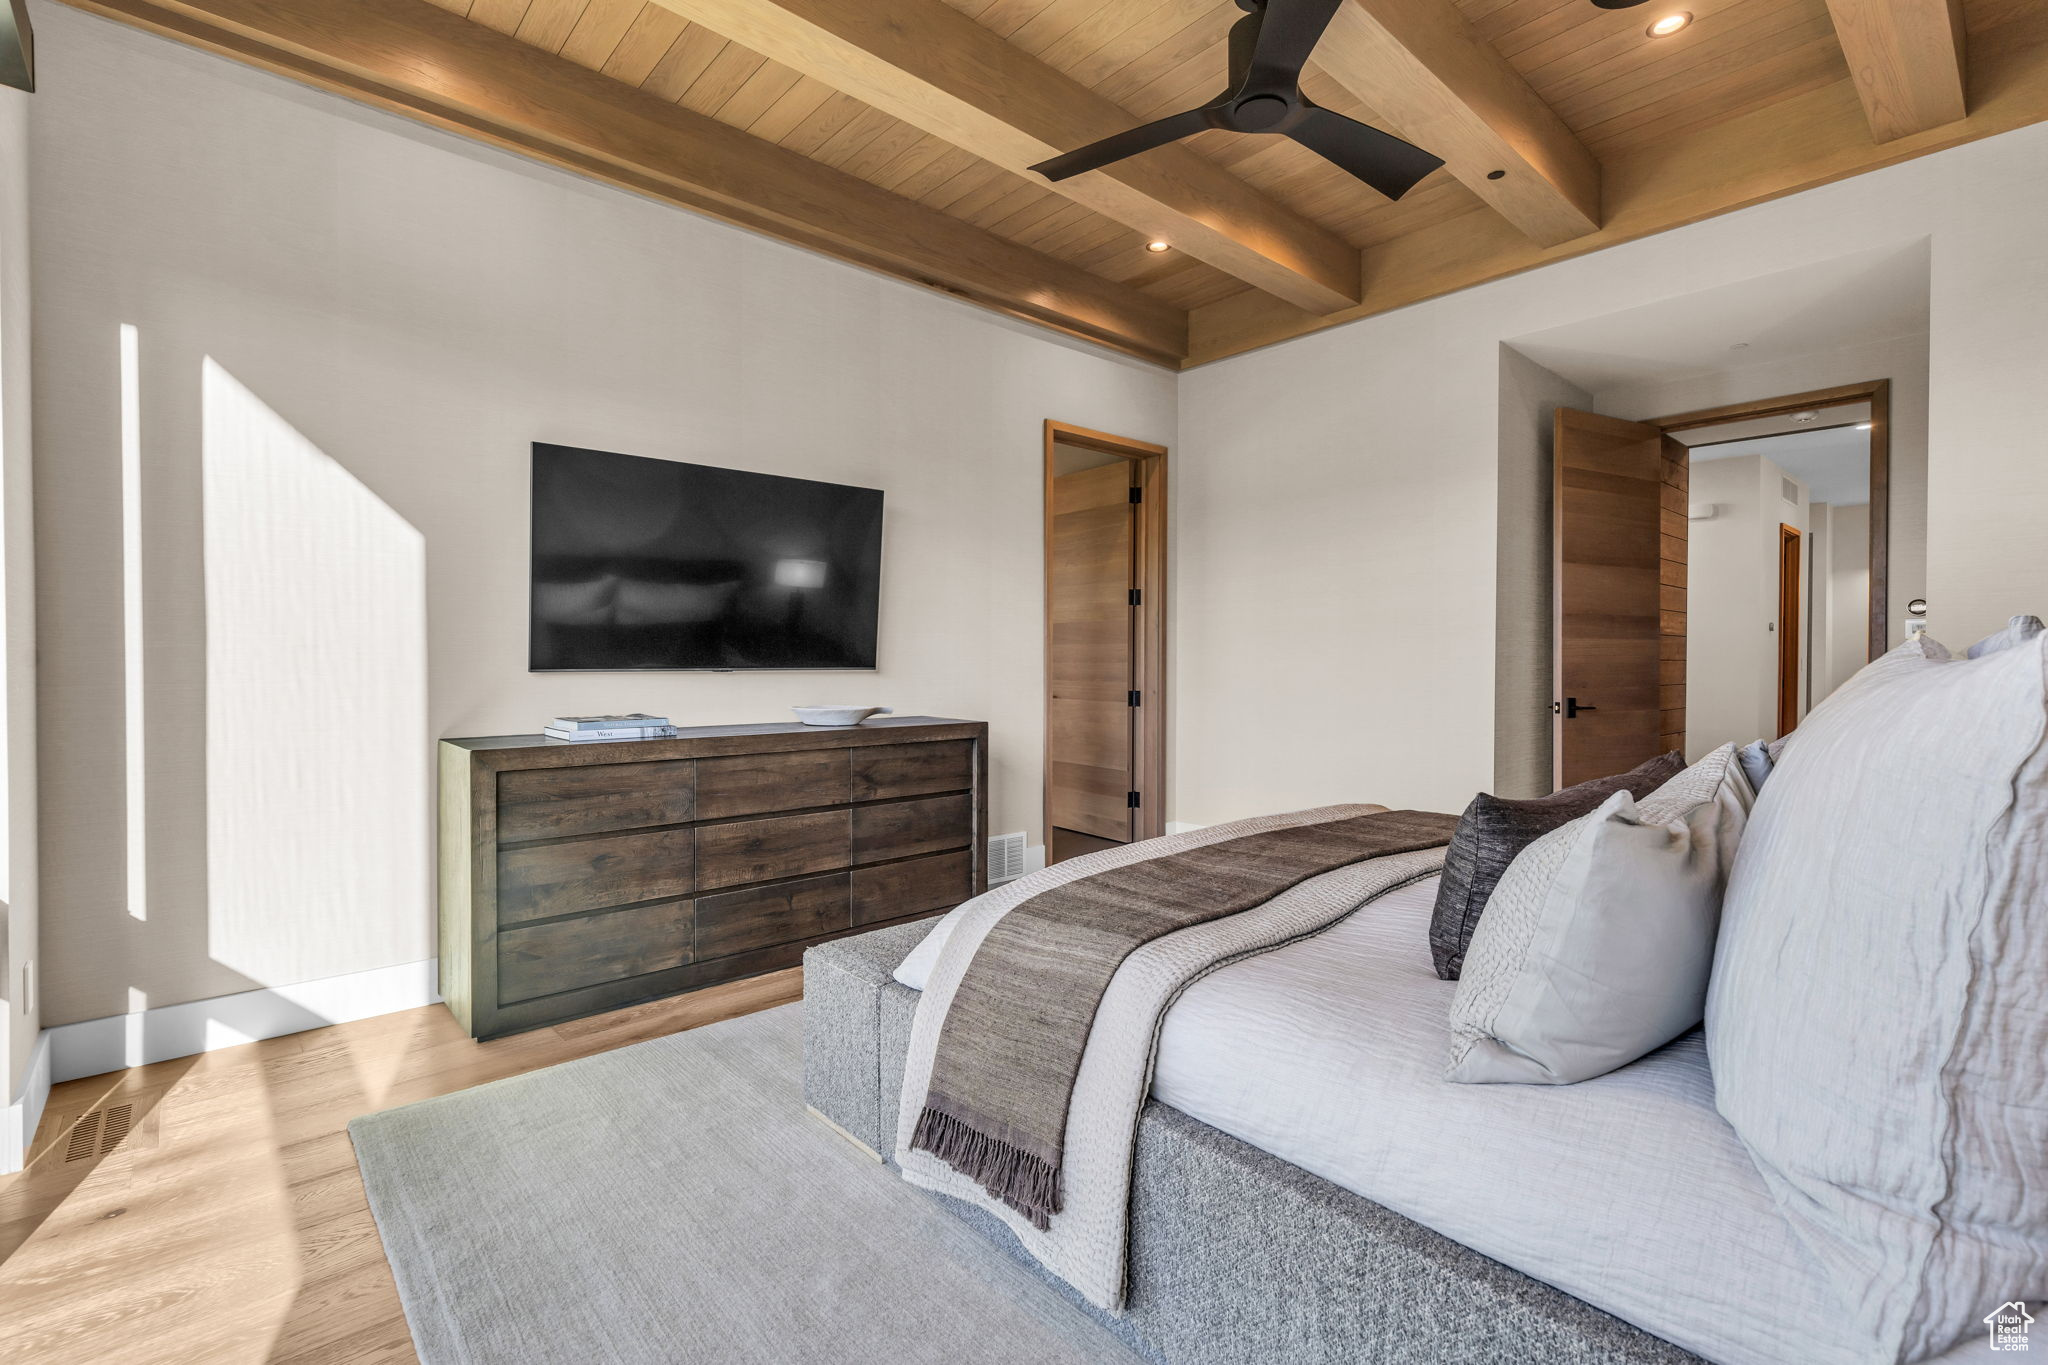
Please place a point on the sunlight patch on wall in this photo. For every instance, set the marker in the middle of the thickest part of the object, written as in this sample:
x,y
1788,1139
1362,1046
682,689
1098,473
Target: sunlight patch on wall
x,y
317,751
135,717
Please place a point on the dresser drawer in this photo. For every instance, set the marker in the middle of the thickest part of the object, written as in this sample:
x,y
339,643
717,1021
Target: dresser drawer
x,y
589,874
905,828
556,803
894,890
912,769
542,959
780,846
756,784
767,915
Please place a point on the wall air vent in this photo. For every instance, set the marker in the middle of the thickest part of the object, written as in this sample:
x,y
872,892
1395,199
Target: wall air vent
x,y
1005,858
1791,491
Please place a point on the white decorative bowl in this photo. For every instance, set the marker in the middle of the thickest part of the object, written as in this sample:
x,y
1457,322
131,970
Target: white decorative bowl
x,y
838,715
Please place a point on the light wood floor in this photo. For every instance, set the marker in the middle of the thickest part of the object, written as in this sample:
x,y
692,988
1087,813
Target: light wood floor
x,y
221,1218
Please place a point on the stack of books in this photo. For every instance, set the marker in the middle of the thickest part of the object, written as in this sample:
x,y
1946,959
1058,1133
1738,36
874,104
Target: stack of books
x,y
588,729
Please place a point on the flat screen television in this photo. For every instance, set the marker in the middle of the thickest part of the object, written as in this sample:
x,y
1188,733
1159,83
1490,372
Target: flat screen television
x,y
651,564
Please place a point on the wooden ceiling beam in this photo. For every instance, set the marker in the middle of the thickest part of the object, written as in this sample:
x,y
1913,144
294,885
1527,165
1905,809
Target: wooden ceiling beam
x,y
928,64
1437,83
1907,59
1810,139
415,58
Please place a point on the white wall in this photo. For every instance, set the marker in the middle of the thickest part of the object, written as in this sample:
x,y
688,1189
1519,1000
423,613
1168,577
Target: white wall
x,y
19,949
1842,577
1339,495
349,330
1731,646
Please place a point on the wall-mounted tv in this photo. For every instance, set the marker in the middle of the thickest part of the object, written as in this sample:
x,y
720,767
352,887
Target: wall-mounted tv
x,y
641,563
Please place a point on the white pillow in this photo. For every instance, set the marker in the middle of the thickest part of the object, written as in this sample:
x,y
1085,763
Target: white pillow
x,y
1596,946
1878,1019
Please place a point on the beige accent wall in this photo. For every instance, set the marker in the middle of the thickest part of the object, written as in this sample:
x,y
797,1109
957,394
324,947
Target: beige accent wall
x,y
350,330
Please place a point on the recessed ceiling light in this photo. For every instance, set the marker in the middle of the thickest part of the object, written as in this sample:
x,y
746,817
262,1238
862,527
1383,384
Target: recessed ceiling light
x,y
1865,426
1158,246
1670,24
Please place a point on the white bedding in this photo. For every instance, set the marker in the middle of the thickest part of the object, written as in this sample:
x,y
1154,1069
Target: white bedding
x,y
1628,1191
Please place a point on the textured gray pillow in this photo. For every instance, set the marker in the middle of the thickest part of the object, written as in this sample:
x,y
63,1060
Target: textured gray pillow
x,y
1758,757
1878,1019
1596,947
2018,631
1494,829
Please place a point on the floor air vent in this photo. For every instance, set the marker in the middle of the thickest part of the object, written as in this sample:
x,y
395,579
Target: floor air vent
x,y
99,1132
1005,858
85,1138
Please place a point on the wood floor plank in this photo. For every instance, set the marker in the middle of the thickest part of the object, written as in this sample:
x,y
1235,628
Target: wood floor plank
x,y
230,1224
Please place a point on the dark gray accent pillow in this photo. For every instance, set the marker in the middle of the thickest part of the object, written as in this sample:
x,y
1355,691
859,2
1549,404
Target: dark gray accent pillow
x,y
1494,829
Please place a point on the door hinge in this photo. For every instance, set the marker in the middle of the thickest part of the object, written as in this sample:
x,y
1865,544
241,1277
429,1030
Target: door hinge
x,y
1131,800
1137,493
1137,597
1134,697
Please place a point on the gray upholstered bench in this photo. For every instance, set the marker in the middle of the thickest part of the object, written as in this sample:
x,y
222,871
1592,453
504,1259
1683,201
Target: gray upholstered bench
x,y
1237,1257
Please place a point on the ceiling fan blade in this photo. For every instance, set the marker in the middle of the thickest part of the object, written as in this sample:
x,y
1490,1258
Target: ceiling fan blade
x,y
1381,160
1288,32
1143,138
1244,41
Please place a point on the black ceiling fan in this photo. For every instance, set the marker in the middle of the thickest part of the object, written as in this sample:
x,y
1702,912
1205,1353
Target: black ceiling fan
x,y
1268,48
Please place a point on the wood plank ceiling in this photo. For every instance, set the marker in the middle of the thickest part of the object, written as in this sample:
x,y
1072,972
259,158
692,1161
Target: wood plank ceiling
x,y
1568,92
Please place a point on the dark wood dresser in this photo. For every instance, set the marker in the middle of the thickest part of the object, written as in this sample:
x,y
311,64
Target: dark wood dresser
x,y
582,877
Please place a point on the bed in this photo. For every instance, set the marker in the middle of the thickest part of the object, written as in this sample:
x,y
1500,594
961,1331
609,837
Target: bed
x,y
1306,1188
1255,1155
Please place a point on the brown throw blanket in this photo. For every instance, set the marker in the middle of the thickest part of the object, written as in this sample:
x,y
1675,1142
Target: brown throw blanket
x,y
1011,1045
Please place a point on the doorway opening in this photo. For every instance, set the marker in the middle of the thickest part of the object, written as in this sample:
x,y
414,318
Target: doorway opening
x,y
1105,640
1718,572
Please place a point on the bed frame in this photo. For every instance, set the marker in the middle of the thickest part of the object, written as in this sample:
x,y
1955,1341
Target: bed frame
x,y
1237,1257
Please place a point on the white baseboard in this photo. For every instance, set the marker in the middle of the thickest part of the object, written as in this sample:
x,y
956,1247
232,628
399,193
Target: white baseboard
x,y
18,1123
93,1046
1181,827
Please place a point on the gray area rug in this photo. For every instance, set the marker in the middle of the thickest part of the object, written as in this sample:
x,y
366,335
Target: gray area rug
x,y
672,1202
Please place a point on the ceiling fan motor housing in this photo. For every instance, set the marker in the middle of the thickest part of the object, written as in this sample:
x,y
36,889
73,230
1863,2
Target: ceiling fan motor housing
x,y
1259,113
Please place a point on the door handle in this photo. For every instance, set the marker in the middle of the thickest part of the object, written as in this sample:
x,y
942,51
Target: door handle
x,y
1572,707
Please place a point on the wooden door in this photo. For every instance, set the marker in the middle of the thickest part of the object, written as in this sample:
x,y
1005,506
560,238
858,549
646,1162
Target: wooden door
x,y
1090,571
1789,632
1619,542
